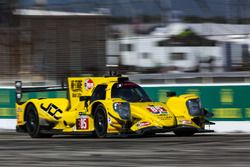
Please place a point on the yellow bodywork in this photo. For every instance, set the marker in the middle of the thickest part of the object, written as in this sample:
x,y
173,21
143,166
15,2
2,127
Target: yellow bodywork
x,y
73,115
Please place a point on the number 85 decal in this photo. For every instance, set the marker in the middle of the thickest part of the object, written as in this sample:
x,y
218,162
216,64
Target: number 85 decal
x,y
82,123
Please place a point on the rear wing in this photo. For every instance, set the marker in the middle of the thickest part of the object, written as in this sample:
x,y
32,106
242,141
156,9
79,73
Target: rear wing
x,y
76,87
20,90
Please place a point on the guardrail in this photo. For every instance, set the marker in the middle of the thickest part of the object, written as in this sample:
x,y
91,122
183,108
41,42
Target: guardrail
x,y
153,78
187,78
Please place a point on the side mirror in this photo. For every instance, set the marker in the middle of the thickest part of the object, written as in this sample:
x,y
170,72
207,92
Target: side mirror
x,y
85,98
171,94
207,114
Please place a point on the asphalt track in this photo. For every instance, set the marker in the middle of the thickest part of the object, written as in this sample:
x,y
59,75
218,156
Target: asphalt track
x,y
230,150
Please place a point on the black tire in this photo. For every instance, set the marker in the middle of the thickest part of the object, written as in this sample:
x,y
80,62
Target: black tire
x,y
184,133
32,123
100,121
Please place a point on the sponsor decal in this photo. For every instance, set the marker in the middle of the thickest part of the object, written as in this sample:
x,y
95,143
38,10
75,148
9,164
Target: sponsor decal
x,y
88,84
127,84
51,110
82,123
157,110
141,124
76,85
19,109
185,121
164,117
76,94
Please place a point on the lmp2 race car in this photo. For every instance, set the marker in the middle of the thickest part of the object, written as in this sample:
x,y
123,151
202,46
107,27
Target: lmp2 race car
x,y
104,106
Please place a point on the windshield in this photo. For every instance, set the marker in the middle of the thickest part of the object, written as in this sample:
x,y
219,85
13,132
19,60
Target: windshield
x,y
130,92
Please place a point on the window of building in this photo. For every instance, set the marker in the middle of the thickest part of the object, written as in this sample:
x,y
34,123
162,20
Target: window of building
x,y
126,47
145,55
178,56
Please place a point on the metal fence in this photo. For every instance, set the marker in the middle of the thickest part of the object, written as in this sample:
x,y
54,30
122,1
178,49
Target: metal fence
x,y
45,45
42,48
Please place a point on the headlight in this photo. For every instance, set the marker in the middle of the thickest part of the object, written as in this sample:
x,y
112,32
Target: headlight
x,y
123,109
194,107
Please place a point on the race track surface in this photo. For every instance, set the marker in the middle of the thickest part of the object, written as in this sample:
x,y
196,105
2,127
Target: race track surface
x,y
162,150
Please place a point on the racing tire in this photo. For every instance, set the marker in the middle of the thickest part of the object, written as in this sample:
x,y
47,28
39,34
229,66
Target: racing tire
x,y
32,123
100,122
184,133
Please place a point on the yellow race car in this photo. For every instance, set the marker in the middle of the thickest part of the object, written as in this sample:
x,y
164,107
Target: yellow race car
x,y
100,106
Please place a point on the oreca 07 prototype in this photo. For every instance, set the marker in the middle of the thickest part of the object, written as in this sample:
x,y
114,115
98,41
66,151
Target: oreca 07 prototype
x,y
101,106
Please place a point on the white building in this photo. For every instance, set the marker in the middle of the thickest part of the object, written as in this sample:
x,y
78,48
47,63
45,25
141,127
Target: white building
x,y
144,51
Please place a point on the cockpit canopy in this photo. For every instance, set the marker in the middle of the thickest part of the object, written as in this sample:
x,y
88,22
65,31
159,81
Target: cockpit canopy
x,y
130,92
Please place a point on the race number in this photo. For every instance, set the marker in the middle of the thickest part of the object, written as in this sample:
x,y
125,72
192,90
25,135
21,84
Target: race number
x,y
157,109
82,123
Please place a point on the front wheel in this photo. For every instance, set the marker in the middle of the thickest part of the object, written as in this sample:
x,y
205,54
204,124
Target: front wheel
x,y
100,121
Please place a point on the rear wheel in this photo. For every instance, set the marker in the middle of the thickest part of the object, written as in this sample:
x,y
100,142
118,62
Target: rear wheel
x,y
32,123
100,121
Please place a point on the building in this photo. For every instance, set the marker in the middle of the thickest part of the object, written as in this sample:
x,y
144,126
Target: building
x,y
52,45
224,47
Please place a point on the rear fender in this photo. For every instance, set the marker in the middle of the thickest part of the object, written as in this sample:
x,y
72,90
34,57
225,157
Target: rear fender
x,y
49,110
